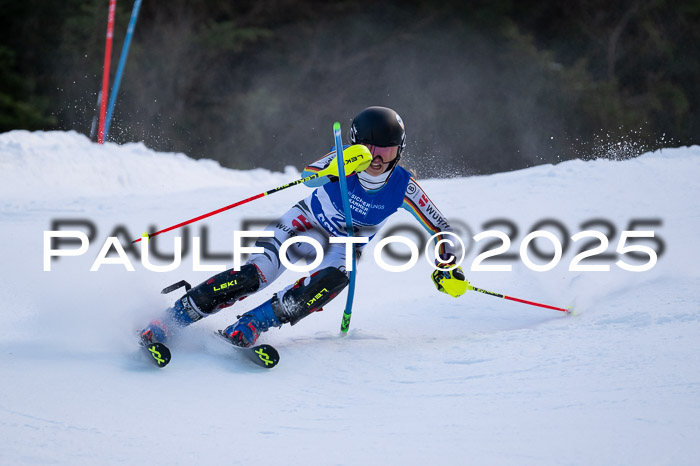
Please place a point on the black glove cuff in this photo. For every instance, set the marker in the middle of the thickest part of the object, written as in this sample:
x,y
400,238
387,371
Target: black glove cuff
x,y
448,260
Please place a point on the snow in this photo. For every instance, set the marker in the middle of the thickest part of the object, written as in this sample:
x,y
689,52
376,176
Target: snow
x,y
421,378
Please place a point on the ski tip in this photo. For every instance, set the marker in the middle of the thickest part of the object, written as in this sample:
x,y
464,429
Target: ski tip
x,y
160,354
264,356
336,126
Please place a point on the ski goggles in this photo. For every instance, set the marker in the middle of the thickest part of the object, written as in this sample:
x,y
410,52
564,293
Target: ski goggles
x,y
386,154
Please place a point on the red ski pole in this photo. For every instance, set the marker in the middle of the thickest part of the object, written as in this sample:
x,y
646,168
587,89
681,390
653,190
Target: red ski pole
x,y
531,303
196,219
355,161
235,204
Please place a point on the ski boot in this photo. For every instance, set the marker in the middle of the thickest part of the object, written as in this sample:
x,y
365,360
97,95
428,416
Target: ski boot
x,y
306,296
246,331
152,339
155,332
220,291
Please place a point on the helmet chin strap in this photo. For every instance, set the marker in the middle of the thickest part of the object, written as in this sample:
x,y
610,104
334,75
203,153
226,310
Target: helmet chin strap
x,y
371,183
393,163
390,169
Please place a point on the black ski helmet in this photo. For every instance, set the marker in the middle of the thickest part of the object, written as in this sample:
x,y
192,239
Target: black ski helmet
x,y
379,126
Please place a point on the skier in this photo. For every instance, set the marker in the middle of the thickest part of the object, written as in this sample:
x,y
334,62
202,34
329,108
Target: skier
x,y
376,193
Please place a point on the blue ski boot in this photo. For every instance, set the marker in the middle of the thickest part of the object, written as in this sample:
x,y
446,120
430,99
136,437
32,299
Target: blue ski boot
x,y
155,332
250,325
159,330
306,296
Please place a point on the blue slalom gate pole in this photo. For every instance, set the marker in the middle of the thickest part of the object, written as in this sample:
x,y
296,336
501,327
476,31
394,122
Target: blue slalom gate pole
x,y
122,63
345,325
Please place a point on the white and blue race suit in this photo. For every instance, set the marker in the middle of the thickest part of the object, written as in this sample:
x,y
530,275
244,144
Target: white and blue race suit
x,y
373,199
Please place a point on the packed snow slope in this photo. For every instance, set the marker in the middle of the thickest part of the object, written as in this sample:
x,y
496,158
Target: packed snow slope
x,y
421,378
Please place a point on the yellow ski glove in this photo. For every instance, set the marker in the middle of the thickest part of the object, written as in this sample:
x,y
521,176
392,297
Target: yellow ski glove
x,y
357,158
453,282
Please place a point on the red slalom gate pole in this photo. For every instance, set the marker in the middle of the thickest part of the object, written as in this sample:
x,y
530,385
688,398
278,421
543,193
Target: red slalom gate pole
x,y
105,72
531,303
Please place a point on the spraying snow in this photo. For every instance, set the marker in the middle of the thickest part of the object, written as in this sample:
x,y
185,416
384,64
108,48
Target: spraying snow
x,y
421,378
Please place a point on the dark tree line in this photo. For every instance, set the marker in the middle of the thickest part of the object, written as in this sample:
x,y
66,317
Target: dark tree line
x,y
483,86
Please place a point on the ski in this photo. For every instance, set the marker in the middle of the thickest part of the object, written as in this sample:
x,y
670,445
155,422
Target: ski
x,y
263,355
158,353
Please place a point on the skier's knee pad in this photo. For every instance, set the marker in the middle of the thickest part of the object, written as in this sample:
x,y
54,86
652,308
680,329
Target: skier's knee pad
x,y
220,291
309,294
